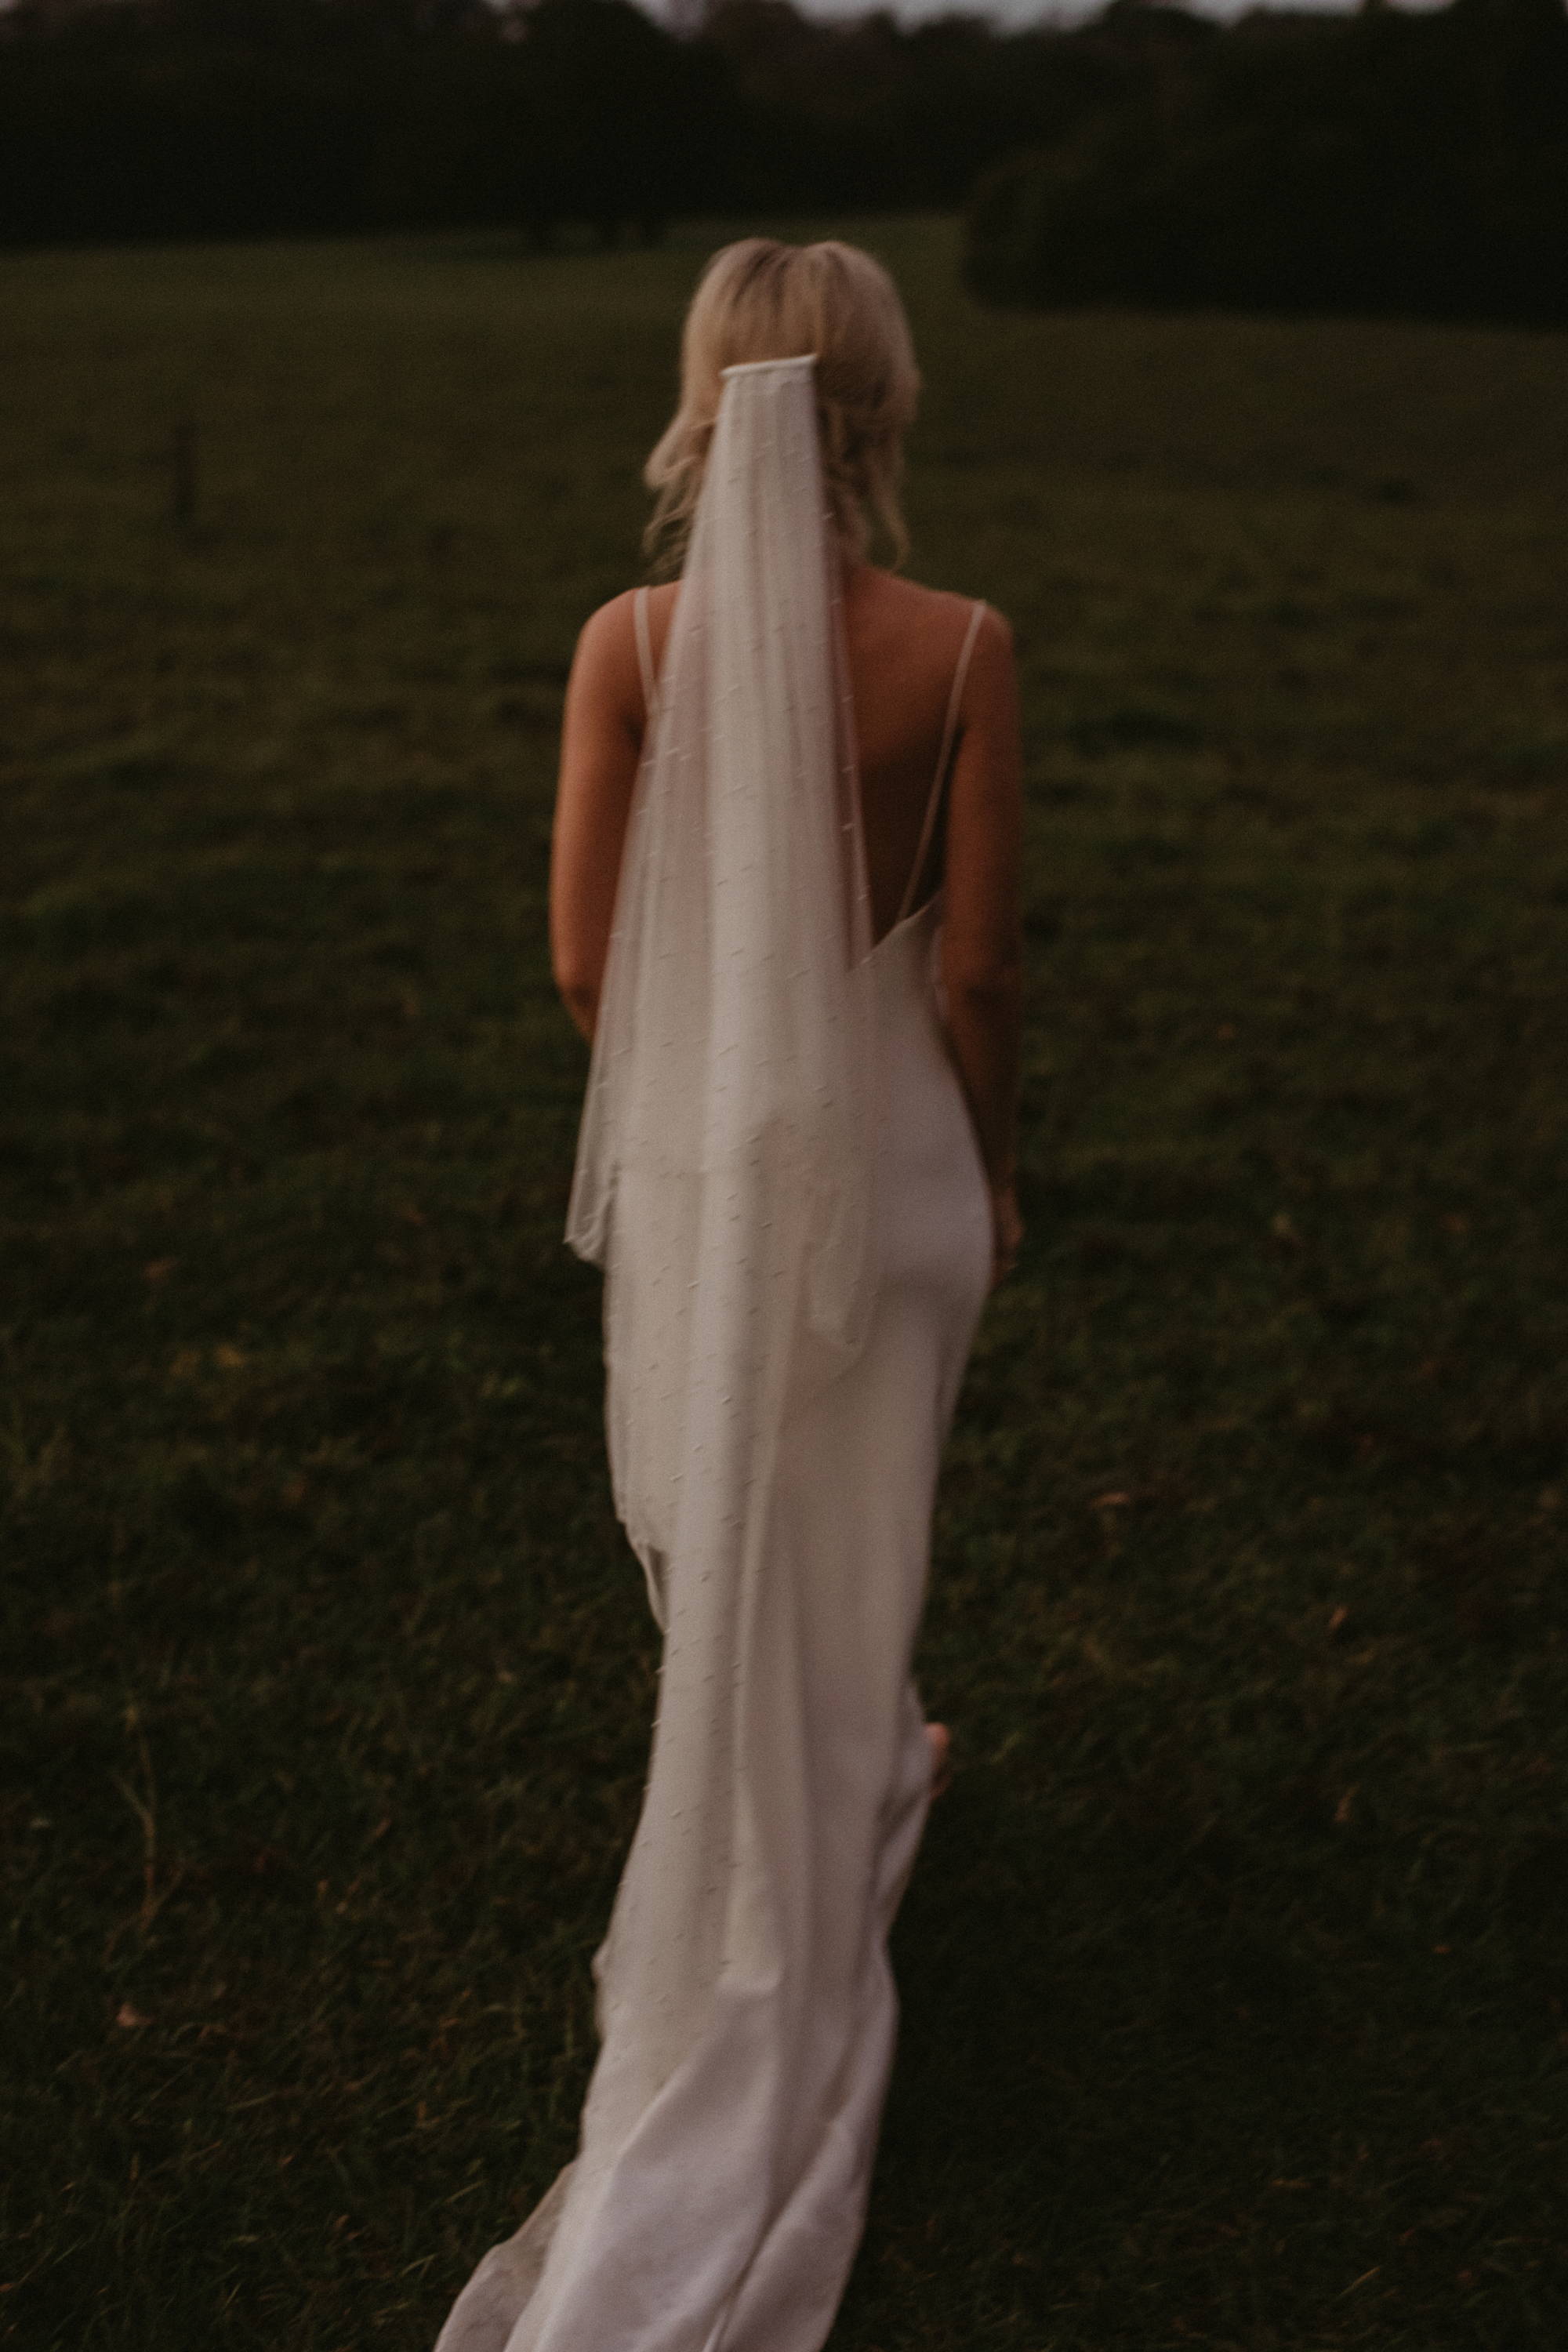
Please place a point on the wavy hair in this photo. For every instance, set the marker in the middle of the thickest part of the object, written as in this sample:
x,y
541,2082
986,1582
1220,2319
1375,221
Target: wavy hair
x,y
761,300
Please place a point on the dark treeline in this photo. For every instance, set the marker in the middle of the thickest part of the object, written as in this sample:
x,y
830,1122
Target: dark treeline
x,y
176,118
158,118
1387,160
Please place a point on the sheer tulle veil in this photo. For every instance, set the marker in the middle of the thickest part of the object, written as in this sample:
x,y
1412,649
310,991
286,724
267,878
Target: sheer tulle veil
x,y
778,1174
725,1163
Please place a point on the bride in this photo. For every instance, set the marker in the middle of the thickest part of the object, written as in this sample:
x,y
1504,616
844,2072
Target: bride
x,y
783,908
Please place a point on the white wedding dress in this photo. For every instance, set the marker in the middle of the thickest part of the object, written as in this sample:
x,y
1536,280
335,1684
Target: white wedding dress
x,y
745,2004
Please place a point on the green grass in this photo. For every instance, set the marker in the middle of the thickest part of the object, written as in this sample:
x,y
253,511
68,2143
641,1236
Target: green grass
x,y
1235,1974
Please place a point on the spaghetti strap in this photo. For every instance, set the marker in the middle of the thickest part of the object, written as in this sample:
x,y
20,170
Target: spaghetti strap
x,y
940,779
645,657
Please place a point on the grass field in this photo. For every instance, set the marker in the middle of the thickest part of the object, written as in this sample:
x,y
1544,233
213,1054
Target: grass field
x,y
1236,1968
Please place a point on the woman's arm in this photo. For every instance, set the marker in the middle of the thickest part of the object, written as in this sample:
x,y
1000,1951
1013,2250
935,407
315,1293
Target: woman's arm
x,y
601,744
982,927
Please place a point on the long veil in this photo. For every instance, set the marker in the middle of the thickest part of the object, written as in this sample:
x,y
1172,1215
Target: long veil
x,y
724,1180
725,1161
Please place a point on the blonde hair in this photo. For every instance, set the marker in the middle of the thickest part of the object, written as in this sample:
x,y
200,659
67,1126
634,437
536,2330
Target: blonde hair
x,y
760,299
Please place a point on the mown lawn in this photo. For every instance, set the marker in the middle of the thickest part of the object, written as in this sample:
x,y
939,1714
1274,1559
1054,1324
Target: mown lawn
x,y
1236,1968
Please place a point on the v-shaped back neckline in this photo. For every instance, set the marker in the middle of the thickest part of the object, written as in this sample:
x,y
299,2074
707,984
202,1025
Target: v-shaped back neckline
x,y
906,922
906,914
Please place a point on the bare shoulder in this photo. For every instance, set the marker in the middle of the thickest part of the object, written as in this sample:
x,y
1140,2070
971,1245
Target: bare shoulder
x,y
994,647
608,630
994,631
607,642
606,669
937,614
948,620
988,703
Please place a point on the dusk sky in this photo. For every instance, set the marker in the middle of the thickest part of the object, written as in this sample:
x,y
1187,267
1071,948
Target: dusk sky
x,y
1001,12
1030,12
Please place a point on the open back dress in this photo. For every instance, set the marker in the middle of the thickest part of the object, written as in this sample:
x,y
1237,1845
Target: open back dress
x,y
719,2192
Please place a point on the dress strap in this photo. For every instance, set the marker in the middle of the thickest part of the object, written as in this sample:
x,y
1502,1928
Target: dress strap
x,y
645,657
940,779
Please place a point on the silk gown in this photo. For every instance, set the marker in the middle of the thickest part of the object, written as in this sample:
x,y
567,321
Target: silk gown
x,y
719,2188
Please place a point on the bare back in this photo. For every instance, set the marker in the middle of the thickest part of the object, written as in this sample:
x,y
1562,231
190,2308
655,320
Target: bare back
x,y
905,645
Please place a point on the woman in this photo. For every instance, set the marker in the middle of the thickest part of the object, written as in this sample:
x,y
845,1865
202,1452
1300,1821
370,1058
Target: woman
x,y
783,908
